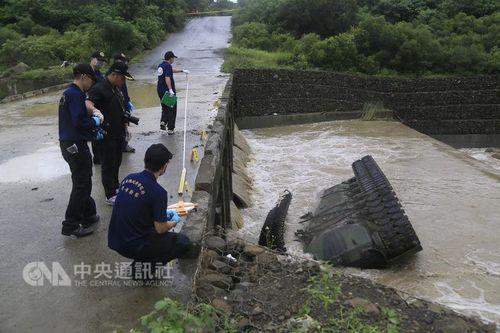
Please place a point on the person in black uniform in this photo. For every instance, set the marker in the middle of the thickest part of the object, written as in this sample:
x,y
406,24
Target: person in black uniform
x,y
76,127
120,57
107,97
97,60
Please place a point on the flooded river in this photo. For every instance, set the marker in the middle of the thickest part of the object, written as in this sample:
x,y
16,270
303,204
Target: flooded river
x,y
451,198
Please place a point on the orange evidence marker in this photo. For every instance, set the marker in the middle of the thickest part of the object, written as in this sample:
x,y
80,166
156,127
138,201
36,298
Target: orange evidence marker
x,y
183,208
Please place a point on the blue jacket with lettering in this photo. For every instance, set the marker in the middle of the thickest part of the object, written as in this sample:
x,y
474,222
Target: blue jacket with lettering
x,y
75,124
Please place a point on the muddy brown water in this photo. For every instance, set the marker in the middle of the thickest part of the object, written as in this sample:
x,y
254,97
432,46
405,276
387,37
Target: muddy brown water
x,y
451,198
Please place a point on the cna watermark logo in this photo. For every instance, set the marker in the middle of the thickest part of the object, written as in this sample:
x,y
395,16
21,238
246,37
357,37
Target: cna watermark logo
x,y
117,274
37,273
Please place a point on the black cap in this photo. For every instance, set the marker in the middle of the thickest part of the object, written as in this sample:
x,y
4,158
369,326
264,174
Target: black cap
x,y
120,57
84,69
169,55
120,68
157,154
99,55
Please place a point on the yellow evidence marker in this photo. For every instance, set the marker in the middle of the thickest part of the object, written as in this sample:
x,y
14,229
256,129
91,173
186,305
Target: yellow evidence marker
x,y
203,135
194,155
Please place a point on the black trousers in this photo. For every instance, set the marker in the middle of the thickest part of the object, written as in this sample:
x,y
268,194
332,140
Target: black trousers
x,y
161,248
81,207
111,159
168,115
96,150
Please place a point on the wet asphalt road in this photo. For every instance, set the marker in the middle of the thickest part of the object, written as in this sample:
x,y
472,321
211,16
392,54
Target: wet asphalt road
x,y
35,186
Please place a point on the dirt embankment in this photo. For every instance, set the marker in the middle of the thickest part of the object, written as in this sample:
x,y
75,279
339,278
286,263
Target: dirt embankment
x,y
266,291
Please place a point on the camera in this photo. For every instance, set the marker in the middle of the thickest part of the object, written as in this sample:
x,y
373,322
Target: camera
x,y
128,118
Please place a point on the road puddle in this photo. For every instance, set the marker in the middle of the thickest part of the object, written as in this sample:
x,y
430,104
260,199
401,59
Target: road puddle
x,y
43,165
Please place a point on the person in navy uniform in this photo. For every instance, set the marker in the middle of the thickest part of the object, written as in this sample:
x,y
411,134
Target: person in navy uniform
x,y
106,97
97,61
76,127
140,226
120,57
166,83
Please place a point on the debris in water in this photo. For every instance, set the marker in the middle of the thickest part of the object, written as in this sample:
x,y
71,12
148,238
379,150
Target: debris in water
x,y
273,230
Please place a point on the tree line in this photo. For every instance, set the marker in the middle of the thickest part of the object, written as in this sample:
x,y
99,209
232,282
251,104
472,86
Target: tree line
x,y
386,37
43,33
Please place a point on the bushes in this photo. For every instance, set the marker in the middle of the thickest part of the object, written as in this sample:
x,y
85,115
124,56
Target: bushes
x,y
47,32
324,17
253,35
120,35
341,53
385,37
47,50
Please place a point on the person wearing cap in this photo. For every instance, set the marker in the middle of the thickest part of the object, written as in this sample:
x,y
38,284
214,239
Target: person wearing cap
x,y
120,57
76,127
97,60
165,84
107,97
140,226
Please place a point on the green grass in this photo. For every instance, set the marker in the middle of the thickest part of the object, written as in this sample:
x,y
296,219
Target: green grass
x,y
170,316
325,293
238,57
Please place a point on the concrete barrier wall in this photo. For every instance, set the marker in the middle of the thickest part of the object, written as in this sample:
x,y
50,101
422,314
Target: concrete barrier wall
x,y
434,106
16,89
213,184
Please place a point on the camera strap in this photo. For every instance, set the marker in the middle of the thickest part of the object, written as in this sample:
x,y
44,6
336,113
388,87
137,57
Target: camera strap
x,y
118,95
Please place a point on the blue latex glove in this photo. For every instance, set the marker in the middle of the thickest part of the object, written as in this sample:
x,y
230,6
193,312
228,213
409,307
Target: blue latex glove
x,y
173,216
97,120
99,135
131,106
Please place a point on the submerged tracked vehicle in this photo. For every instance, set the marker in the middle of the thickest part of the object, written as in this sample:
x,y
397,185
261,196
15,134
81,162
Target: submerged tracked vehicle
x,y
360,222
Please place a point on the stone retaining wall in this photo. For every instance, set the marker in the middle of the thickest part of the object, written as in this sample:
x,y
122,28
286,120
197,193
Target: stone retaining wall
x,y
16,89
213,184
33,93
434,106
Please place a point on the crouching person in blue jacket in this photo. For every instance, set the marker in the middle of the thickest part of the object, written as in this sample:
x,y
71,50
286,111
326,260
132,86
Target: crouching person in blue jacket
x,y
140,227
76,128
